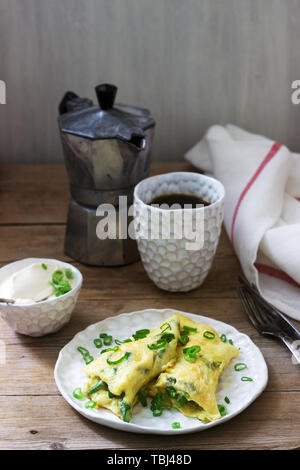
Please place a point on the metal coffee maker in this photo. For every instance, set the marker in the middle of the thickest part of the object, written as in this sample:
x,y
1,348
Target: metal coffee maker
x,y
107,152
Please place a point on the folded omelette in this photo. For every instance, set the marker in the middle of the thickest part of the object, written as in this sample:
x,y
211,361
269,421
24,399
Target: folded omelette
x,y
190,383
117,375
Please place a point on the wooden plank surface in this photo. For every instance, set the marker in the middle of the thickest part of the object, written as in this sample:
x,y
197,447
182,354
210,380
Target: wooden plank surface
x,y
33,415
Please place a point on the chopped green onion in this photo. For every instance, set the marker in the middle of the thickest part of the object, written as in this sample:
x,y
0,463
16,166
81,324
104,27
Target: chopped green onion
x,y
246,379
82,350
98,343
111,395
141,334
98,386
223,338
103,335
190,353
181,401
90,404
183,339
107,340
230,342
116,348
188,329
88,359
168,327
125,411
85,354
119,342
57,276
143,397
192,350
171,391
240,366
44,266
69,273
159,403
209,335
176,425
222,410
77,393
112,363
226,399
167,337
160,344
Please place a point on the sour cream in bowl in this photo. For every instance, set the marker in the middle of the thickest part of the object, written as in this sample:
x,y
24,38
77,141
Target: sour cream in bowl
x,y
43,294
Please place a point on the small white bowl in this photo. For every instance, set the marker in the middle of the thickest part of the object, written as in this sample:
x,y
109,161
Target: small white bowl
x,y
41,318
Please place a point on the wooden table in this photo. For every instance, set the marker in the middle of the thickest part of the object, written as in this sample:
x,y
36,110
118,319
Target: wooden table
x,y
33,415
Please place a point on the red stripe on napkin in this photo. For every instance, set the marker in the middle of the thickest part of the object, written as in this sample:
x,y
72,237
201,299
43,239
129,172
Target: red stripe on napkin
x,y
274,149
277,273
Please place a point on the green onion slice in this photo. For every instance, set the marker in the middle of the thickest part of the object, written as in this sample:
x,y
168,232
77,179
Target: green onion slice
x,y
209,335
44,266
246,379
116,348
90,404
125,411
181,401
222,410
188,329
119,342
223,338
167,327
69,273
107,340
143,397
98,386
57,276
140,334
160,344
98,343
240,366
112,363
230,342
77,393
226,399
183,339
176,425
85,354
192,351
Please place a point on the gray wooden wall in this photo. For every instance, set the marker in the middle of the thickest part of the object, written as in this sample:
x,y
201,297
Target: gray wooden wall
x,y
192,62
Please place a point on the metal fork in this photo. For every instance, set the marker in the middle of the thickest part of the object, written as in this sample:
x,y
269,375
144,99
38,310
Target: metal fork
x,y
267,319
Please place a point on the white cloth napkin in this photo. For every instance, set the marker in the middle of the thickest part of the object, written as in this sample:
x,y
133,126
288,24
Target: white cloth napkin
x,y
262,208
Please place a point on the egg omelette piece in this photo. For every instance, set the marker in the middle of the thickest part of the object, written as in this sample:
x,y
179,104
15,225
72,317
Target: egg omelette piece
x,y
192,381
121,374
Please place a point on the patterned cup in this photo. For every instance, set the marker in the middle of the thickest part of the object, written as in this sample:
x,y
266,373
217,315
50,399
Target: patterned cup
x,y
178,258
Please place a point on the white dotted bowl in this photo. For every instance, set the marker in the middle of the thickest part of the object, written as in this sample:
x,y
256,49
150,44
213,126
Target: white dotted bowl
x,y
169,263
42,318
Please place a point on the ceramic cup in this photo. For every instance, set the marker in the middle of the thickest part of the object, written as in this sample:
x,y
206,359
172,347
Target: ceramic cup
x,y
178,258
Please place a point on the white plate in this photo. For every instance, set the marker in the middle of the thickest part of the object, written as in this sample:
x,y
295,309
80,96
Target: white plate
x,y
69,375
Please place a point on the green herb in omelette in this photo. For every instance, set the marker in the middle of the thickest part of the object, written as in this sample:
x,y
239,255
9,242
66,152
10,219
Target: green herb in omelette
x,y
143,397
126,356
